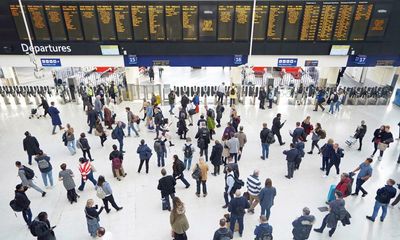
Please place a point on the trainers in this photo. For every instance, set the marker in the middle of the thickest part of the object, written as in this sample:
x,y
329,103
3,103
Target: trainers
x,y
354,194
317,230
379,158
309,152
43,194
324,176
364,194
198,194
205,195
370,218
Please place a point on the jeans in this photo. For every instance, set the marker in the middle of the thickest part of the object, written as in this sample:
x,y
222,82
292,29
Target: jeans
x,y
160,159
262,102
188,162
100,113
171,107
32,185
331,107
265,150
89,177
30,159
46,175
110,199
337,105
121,144
88,153
182,178
265,211
270,103
324,222
359,187
376,210
235,218
141,164
228,195
71,147
130,126
205,152
203,183
314,143
27,215
325,161
234,156
290,167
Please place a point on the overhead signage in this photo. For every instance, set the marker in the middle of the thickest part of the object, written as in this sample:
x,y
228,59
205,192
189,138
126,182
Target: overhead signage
x,y
311,63
360,59
237,60
372,61
48,48
132,60
287,62
50,62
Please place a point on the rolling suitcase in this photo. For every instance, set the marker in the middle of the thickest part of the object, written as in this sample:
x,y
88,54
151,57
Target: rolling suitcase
x,y
331,193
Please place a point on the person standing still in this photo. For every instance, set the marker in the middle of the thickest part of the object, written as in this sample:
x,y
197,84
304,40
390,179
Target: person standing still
x,y
55,117
264,143
237,208
267,196
360,133
178,220
291,156
151,74
242,141
166,185
144,155
221,93
253,188
203,177
31,146
171,101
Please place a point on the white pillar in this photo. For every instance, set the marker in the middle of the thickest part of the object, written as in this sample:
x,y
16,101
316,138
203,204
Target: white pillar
x,y
10,76
132,75
236,75
330,74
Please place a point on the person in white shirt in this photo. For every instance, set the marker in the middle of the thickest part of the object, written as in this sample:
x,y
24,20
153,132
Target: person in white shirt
x,y
221,92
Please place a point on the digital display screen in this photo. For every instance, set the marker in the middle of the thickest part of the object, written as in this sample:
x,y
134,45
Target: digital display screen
x,y
343,22
123,22
139,22
379,21
109,49
156,22
190,23
360,23
310,22
260,22
173,22
39,23
327,21
339,50
106,22
208,22
226,14
242,22
276,21
56,22
89,22
72,22
294,14
19,21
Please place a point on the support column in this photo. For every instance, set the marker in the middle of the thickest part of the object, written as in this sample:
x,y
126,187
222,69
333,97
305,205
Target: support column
x,y
330,75
10,78
132,80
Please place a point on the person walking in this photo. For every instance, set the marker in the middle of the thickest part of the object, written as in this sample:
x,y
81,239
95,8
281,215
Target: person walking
x,y
83,144
92,217
266,140
202,180
363,176
118,133
276,128
144,155
171,101
327,152
26,175
45,168
166,185
55,118
67,177
45,106
360,133
161,150
91,119
116,157
386,139
232,95
223,233
233,144
262,96
216,157
211,122
291,156
382,199
319,99
42,228
98,107
31,146
242,141
86,170
317,134
151,74
99,131
131,121
253,188
267,196
219,111
264,230
336,156
104,192
332,101
70,138
178,167
229,186
23,203
237,208
182,129
178,220
188,151
302,225
203,139
298,134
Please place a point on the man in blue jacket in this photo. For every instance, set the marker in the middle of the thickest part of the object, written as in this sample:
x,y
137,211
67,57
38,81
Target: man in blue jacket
x,y
264,230
319,100
291,156
302,226
382,199
237,208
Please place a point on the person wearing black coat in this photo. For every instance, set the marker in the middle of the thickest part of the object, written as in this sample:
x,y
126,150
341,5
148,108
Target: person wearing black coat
x,y
335,158
84,146
276,128
178,167
382,199
237,208
22,201
327,152
42,227
291,156
91,119
203,139
377,138
31,146
216,157
360,133
45,106
262,96
167,187
182,129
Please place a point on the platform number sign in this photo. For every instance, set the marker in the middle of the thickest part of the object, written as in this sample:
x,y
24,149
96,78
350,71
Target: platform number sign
x,y
360,60
238,60
132,60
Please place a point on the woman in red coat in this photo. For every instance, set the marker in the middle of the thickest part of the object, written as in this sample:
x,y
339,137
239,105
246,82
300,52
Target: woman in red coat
x,y
343,185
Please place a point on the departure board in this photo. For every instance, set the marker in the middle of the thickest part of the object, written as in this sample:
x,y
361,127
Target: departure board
x,y
106,22
327,21
292,22
360,23
139,22
156,22
173,22
276,21
379,21
123,22
39,23
89,22
208,22
242,22
260,22
72,22
19,21
343,22
56,22
226,14
190,25
310,22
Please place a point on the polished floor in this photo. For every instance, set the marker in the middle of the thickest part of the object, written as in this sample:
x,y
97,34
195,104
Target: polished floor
x,y
142,217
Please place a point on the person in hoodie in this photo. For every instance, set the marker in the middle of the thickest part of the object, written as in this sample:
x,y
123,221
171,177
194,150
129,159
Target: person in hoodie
x,y
144,154
45,168
298,133
336,156
216,157
223,232
178,220
264,229
302,225
23,203
382,199
42,227
327,152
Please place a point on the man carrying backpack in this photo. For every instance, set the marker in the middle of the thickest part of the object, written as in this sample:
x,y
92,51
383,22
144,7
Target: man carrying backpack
x,y
159,148
41,228
21,203
264,230
188,151
382,199
203,139
26,174
45,167
223,233
302,226
267,137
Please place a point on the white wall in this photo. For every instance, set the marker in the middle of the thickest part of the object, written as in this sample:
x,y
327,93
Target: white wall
x,y
381,75
323,60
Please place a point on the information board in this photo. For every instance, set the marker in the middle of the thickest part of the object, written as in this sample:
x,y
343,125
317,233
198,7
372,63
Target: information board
x,y
310,22
123,24
276,21
225,22
343,22
89,22
327,21
360,23
106,22
39,24
156,22
56,22
208,22
294,13
260,22
19,21
72,22
190,23
140,22
173,22
379,21
242,22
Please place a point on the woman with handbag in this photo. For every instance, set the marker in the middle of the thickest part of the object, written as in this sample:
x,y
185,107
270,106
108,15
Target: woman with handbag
x,y
104,192
377,138
99,131
83,144
386,139
178,220
92,217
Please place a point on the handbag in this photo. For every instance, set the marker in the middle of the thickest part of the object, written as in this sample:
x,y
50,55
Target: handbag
x,y
97,133
100,193
382,146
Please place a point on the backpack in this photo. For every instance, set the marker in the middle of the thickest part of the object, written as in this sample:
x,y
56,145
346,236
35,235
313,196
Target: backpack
x,y
100,192
29,173
238,183
270,138
225,238
232,92
196,173
188,153
322,134
114,134
211,113
265,236
14,206
116,163
201,143
43,164
335,98
32,227
157,146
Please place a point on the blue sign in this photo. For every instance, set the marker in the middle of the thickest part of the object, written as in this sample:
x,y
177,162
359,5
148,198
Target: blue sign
x,y
50,62
360,59
237,60
132,60
372,61
287,62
